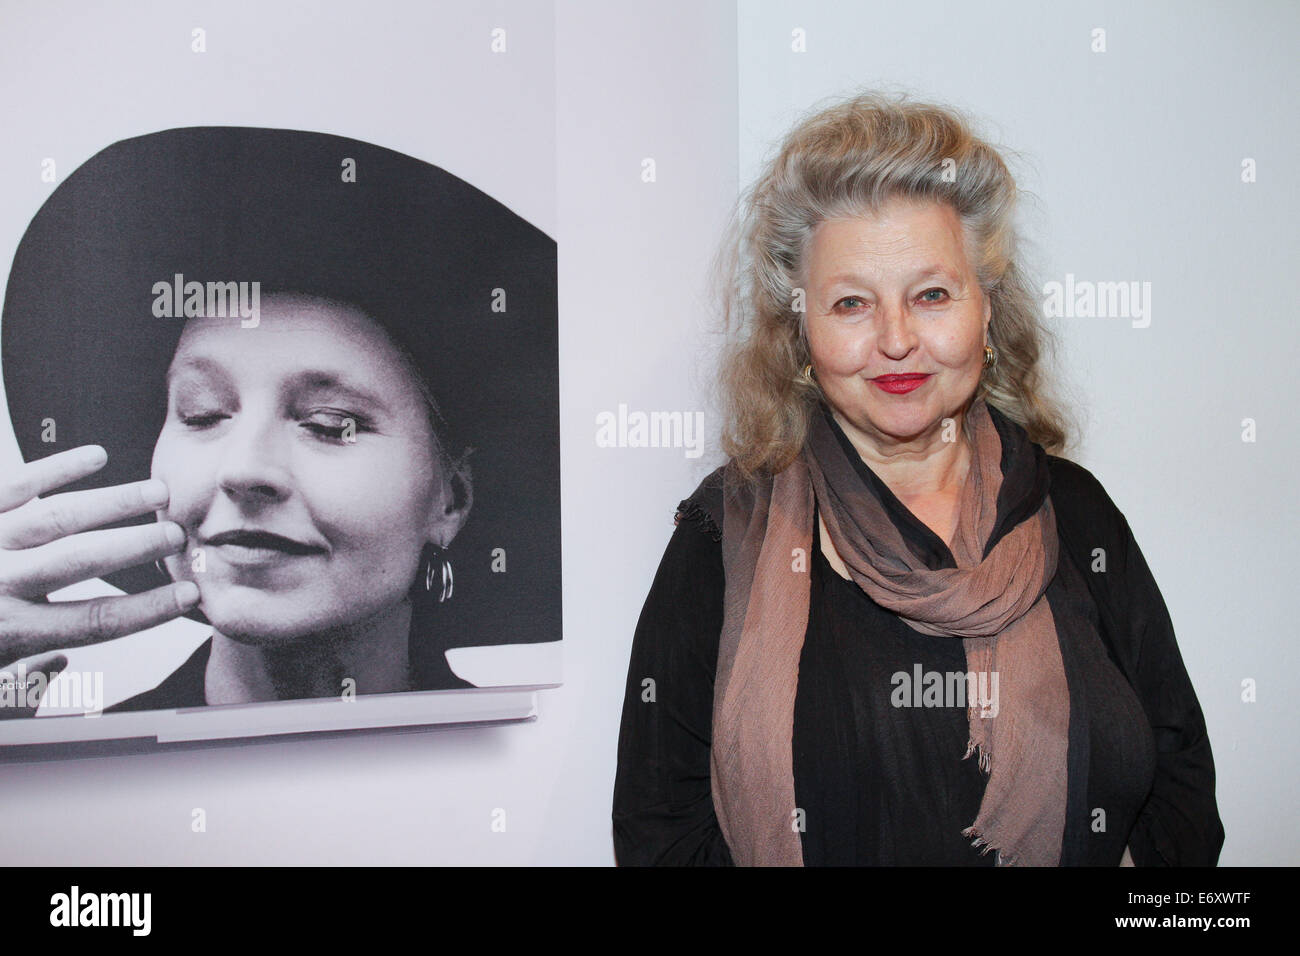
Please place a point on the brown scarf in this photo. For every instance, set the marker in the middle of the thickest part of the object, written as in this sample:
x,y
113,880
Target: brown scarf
x,y
993,601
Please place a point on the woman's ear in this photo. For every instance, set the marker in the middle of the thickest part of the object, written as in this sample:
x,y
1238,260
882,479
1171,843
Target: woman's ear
x,y
452,506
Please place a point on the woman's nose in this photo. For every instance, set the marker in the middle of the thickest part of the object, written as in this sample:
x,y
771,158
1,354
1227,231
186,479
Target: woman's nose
x,y
254,460
896,334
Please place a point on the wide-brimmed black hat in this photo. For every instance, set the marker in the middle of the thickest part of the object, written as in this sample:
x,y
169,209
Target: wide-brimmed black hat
x,y
421,251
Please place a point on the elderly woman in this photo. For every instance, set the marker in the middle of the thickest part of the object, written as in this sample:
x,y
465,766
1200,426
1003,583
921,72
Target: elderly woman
x,y
287,344
896,628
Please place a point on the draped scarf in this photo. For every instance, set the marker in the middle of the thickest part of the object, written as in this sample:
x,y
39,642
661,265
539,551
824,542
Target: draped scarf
x,y
1005,549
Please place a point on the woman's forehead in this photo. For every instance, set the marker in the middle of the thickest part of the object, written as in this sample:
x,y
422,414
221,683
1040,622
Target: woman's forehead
x,y
294,334
910,236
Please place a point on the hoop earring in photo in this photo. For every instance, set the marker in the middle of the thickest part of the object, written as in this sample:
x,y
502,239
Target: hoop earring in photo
x,y
435,575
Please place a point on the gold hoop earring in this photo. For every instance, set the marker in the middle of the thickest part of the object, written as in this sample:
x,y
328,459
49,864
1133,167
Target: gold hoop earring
x,y
990,356
806,376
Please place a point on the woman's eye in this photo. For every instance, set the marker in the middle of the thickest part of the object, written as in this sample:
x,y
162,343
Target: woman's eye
x,y
335,427
849,302
201,420
941,293
335,432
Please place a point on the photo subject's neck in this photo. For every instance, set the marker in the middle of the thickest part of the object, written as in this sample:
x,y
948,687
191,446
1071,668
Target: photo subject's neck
x,y
371,657
927,467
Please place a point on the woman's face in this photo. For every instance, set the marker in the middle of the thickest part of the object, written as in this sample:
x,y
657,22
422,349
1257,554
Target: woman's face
x,y
894,294
303,521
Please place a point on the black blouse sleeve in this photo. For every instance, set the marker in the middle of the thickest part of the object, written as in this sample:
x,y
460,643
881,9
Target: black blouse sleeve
x,y
1179,824
663,802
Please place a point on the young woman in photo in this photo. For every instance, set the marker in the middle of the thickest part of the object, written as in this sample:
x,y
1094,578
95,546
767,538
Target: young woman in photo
x,y
294,352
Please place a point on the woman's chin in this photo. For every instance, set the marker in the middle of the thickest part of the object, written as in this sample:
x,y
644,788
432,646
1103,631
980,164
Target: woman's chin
x,y
260,632
267,619
905,423
267,622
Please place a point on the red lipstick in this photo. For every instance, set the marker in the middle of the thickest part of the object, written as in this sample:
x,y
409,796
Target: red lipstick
x,y
899,384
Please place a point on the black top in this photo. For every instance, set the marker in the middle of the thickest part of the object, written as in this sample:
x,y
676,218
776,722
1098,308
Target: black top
x,y
186,686
886,785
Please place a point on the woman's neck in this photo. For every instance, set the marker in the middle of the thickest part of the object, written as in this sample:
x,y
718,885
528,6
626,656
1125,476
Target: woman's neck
x,y
370,657
923,469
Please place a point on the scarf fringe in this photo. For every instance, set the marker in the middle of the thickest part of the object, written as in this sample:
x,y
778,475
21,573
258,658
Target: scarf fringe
x,y
697,515
980,841
985,756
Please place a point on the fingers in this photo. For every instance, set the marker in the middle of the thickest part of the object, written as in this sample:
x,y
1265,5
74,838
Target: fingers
x,y
36,478
50,665
25,697
47,519
65,624
49,543
91,554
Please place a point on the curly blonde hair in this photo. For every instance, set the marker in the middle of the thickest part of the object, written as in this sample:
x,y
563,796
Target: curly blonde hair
x,y
849,159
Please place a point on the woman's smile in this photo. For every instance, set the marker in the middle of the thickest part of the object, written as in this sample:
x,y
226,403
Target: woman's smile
x,y
900,384
253,548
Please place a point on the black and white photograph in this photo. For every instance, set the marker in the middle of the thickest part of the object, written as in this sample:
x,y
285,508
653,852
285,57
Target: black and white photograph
x,y
289,399
280,343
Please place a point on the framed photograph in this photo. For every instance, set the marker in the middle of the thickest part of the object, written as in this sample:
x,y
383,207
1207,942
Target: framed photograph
x,y
282,392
